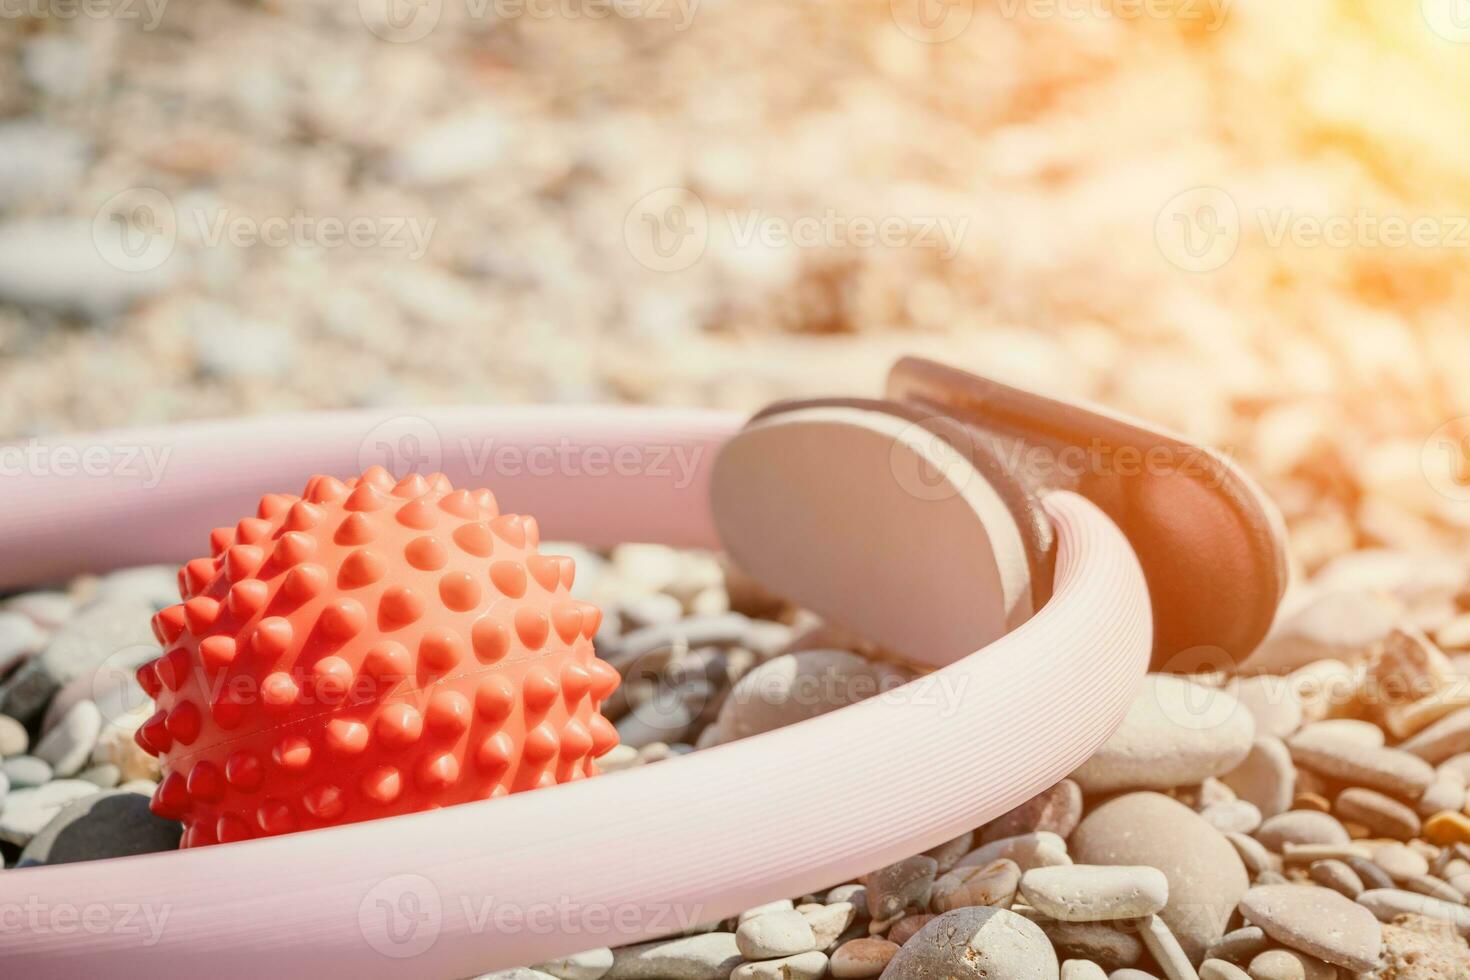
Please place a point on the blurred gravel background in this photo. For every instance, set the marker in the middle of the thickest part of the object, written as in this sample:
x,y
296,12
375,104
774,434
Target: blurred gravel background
x,y
1130,192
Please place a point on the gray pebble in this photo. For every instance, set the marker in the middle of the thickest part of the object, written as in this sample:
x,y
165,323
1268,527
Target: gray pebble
x,y
1093,893
518,973
68,746
976,944
904,885
711,956
668,640
77,648
1253,854
1267,776
1373,875
857,895
1434,888
1301,827
19,638
803,966
25,771
590,964
654,609
1338,876
1057,809
110,824
1233,816
28,811
1082,970
46,609
1288,964
105,775
1392,771
1239,946
1221,970
1100,942
1386,904
1383,815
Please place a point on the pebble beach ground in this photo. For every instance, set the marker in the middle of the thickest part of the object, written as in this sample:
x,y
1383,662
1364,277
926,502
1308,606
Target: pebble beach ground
x,y
1301,817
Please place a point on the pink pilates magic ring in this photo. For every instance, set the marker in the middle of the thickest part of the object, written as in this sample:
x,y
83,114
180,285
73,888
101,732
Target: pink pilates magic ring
x,y
641,853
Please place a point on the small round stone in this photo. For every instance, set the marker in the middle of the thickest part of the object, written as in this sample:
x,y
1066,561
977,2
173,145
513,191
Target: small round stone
x,y
1382,816
28,811
25,771
1233,816
69,744
1301,827
784,932
1400,861
589,964
1057,810
862,958
1221,970
1113,945
901,886
1082,970
1267,776
1338,876
802,966
976,944
991,884
1287,964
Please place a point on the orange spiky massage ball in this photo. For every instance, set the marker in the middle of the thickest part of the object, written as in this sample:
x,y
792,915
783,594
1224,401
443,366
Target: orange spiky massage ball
x,y
370,648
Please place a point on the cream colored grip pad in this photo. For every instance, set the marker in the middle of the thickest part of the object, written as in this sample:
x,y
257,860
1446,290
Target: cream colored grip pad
x,y
876,524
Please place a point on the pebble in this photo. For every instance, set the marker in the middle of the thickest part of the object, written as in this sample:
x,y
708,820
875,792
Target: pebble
x,y
1389,903
68,746
1335,625
903,885
27,811
1233,816
1338,876
1383,816
855,894
517,973
1253,854
1272,702
1058,809
1301,827
990,884
1221,970
1400,861
797,686
590,964
1239,946
1161,942
1205,874
830,921
1316,921
1434,888
1177,733
1101,942
1372,874
1082,970
755,911
1131,974
1347,730
618,757
774,935
109,824
1447,793
652,646
906,928
46,609
976,944
1447,737
654,609
1448,827
53,264
1036,850
1286,964
1391,771
803,966
862,958
20,636
104,775
13,737
709,956
78,647
1092,893
949,853
1266,777
25,771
